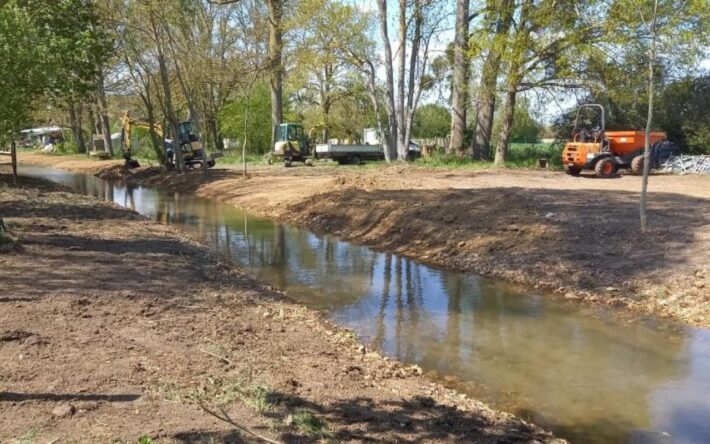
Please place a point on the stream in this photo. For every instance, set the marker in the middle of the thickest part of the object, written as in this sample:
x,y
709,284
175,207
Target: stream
x,y
589,374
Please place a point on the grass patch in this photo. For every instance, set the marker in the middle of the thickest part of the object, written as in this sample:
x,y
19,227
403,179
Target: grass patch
x,y
225,391
310,425
28,437
520,155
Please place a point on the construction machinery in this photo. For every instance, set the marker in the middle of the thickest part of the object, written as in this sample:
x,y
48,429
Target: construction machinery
x,y
188,143
605,152
290,143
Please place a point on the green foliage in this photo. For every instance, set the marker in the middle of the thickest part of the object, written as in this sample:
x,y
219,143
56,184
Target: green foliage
x,y
310,425
75,40
20,49
684,113
254,105
324,85
682,109
520,155
431,121
53,48
145,440
525,128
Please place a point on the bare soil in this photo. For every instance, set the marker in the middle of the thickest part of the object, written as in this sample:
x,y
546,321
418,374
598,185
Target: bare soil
x,y
114,328
575,236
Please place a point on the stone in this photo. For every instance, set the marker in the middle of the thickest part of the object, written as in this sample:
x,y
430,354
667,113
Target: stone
x,y
571,296
63,411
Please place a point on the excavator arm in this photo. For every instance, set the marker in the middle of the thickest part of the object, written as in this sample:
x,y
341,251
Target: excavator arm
x,y
127,124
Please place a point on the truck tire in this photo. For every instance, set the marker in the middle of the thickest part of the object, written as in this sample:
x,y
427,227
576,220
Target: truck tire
x,y
355,160
572,171
637,165
287,163
606,168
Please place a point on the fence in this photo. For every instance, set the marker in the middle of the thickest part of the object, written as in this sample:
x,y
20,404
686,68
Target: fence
x,y
13,159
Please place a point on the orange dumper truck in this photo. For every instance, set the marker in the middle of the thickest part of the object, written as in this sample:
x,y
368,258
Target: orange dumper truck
x,y
604,152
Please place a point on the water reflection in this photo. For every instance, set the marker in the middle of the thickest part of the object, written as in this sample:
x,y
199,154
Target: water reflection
x,y
584,373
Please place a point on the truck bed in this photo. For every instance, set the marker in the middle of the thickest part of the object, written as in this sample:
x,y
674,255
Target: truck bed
x,y
329,148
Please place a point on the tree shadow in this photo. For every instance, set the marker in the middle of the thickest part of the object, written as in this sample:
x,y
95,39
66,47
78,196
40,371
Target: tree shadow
x,y
56,397
414,420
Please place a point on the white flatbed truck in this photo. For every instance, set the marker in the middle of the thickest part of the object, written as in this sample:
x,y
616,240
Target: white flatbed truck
x,y
355,154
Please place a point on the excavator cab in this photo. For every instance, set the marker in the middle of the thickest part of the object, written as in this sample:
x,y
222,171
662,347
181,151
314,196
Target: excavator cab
x,y
192,153
290,143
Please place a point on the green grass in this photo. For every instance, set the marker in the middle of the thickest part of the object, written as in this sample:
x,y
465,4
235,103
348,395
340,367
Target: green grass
x,y
520,155
310,425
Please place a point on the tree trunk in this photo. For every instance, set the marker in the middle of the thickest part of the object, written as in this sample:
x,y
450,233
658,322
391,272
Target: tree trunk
x,y
103,112
649,122
75,125
154,137
503,15
391,138
413,90
401,66
167,95
275,59
459,103
92,126
506,126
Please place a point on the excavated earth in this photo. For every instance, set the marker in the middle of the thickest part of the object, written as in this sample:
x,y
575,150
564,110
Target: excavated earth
x,y
114,328
577,237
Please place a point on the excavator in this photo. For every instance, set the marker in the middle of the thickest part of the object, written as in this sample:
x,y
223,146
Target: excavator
x,y
189,144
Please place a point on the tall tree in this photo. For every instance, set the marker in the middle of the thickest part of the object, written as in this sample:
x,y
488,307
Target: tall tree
x,y
548,48
497,20
275,57
323,72
459,103
674,29
418,22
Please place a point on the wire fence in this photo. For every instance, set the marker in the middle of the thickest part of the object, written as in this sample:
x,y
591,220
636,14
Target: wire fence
x,y
684,164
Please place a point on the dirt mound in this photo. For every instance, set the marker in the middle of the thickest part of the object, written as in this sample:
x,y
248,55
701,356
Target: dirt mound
x,y
120,172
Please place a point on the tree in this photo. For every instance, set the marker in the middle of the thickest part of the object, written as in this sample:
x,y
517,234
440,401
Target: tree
x,y
418,22
57,48
249,107
77,44
21,47
324,73
683,111
497,20
459,103
548,48
672,28
275,57
431,121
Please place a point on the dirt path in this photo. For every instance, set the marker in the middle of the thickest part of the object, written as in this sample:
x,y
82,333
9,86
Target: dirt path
x,y
577,237
113,327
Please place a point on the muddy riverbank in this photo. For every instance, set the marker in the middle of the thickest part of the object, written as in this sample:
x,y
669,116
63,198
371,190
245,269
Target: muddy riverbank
x,y
576,237
115,327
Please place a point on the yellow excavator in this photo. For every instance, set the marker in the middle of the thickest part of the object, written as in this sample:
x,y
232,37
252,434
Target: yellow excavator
x,y
192,153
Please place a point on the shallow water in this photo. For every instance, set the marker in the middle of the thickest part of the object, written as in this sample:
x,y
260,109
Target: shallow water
x,y
588,374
